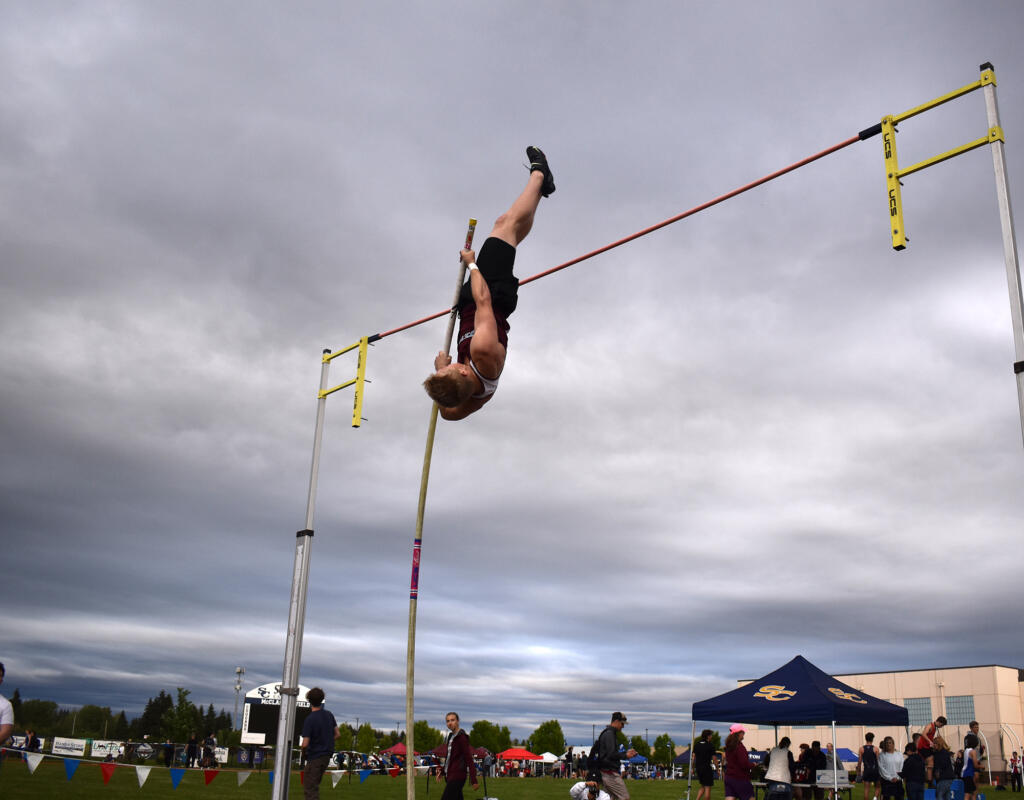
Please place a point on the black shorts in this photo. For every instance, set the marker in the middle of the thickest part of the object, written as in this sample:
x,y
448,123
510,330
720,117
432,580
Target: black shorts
x,y
706,776
969,785
496,260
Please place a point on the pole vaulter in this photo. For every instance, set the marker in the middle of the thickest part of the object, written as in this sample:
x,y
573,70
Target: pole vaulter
x,y
994,138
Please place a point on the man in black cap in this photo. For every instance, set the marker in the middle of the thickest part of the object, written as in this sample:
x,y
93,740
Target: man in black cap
x,y
609,757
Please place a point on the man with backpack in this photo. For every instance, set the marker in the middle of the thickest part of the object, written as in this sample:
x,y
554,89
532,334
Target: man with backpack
x,y
603,765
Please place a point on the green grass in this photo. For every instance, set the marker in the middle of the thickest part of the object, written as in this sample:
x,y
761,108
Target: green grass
x,y
50,781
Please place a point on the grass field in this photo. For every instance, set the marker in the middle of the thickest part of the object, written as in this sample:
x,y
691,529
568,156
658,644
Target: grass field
x,y
50,781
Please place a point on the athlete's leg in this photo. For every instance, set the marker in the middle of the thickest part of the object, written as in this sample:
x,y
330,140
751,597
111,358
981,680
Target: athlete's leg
x,y
515,224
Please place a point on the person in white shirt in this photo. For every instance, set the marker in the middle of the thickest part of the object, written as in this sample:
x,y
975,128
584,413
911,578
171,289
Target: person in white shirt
x,y
588,790
779,776
6,714
889,765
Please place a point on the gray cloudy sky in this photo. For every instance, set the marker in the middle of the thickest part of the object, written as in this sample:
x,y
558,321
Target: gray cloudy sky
x,y
755,433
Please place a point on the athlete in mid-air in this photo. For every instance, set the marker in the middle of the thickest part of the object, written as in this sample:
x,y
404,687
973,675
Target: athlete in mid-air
x,y
487,300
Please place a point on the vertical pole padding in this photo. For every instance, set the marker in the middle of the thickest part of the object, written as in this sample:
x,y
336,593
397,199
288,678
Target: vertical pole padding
x,y
410,658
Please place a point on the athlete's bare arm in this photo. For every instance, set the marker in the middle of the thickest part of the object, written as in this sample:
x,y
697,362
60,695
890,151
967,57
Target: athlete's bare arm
x,y
486,351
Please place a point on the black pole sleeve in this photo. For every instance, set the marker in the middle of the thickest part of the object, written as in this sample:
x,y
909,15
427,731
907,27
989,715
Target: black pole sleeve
x,y
867,133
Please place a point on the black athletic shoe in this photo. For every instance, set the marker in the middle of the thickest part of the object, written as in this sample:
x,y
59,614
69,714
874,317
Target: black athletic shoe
x,y
539,163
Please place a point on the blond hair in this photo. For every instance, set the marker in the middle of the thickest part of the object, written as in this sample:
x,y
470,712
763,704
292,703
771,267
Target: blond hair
x,y
448,389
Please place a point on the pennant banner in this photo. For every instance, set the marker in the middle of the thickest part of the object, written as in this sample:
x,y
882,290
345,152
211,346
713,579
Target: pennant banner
x,y
33,760
107,769
394,772
242,777
210,774
270,775
364,774
335,777
142,773
70,765
177,773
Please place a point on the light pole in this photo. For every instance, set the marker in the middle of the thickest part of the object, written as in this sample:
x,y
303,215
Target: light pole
x,y
239,672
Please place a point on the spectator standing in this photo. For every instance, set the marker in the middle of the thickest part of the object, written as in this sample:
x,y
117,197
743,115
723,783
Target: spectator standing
x,y
610,758
803,770
1014,767
979,748
192,750
781,767
867,767
972,763
6,714
319,730
703,752
942,769
168,753
737,766
914,772
458,760
815,761
208,744
889,765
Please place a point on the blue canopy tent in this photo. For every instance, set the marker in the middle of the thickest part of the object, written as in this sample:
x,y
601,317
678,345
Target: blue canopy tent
x,y
798,693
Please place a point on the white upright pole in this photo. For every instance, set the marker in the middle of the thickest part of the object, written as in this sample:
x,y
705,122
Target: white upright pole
x,y
693,744
297,611
1009,239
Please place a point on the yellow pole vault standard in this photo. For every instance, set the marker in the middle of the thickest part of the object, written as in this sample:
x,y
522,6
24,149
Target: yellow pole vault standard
x,y
892,171
414,584
997,142
358,381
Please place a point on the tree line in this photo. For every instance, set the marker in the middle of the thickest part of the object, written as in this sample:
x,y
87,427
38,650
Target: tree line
x,y
163,718
177,717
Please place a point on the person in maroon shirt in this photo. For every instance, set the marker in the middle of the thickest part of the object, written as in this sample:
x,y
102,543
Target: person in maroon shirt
x,y
737,766
487,300
458,761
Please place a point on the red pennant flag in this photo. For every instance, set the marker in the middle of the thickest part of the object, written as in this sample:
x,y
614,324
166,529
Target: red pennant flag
x,y
107,769
302,777
209,775
394,771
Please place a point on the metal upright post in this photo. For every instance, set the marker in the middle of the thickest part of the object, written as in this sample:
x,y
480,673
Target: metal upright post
x,y
297,609
1009,237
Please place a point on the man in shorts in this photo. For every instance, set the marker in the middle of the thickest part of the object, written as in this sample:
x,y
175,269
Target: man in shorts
x,y
488,299
867,767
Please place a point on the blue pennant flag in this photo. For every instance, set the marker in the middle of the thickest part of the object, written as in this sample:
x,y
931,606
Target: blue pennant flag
x,y
70,765
177,773
364,774
271,776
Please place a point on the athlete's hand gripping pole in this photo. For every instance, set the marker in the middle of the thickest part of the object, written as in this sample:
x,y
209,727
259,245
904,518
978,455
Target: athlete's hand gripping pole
x,y
414,585
458,287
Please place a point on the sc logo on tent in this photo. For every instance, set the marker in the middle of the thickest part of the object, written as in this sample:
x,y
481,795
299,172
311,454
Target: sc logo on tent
x,y
853,698
774,693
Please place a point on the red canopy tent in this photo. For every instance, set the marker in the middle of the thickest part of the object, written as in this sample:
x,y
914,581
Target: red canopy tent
x,y
396,749
517,754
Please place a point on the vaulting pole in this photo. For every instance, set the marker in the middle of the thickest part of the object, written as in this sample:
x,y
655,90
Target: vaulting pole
x,y
414,584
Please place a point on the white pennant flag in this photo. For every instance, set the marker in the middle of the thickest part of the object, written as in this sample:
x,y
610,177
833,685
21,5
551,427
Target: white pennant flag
x,y
142,773
33,760
335,777
242,776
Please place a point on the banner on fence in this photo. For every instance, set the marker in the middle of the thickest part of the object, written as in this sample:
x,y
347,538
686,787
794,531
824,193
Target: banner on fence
x,y
63,746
